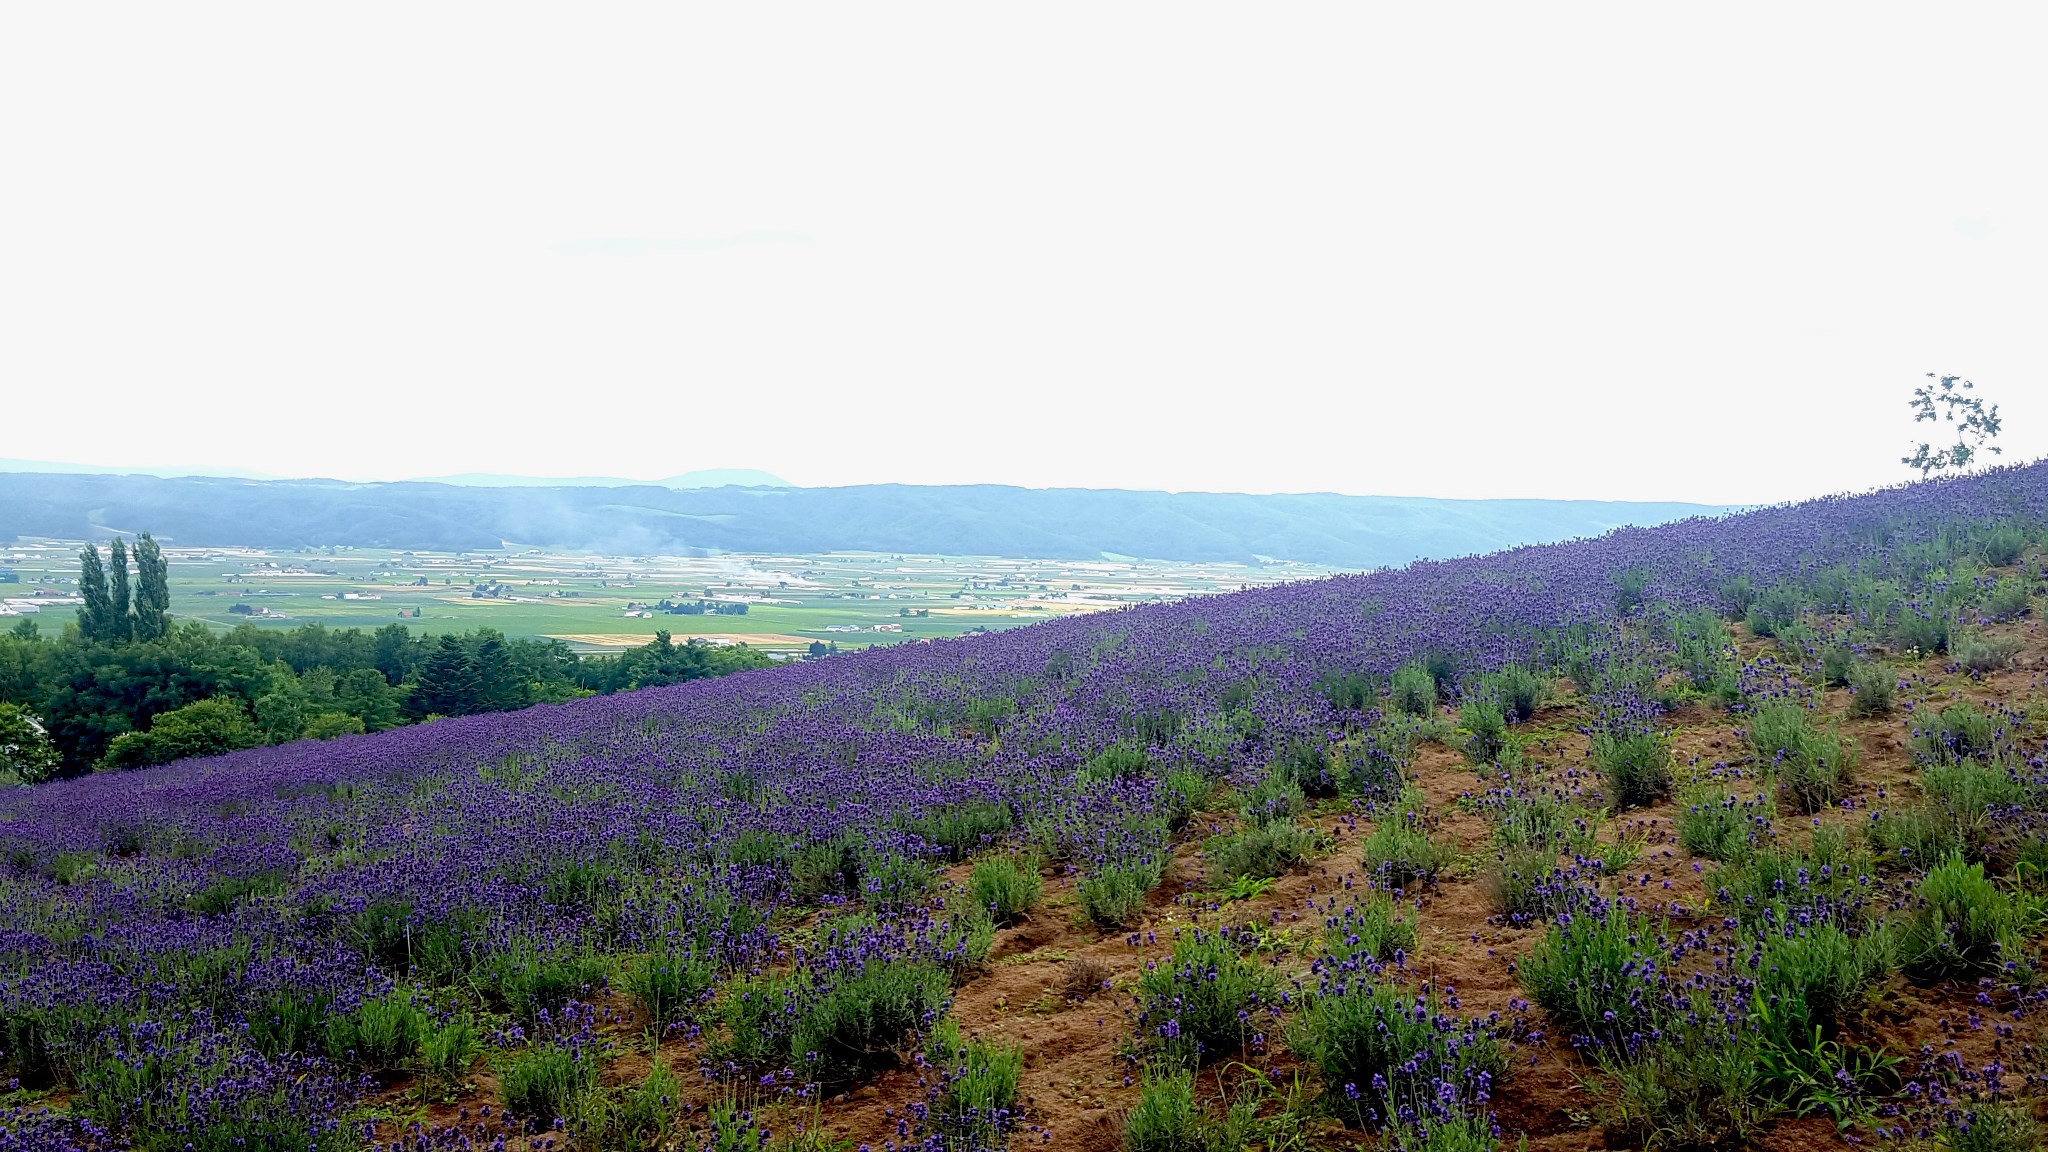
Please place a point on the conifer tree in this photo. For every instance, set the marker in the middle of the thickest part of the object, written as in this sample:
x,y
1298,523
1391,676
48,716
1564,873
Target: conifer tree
x,y
448,683
498,686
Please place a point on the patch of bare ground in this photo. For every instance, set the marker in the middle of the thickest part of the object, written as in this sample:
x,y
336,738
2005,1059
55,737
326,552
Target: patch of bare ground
x,y
1077,1037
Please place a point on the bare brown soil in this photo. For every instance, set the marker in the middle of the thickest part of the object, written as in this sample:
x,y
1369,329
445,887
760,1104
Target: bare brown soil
x,y
1078,1080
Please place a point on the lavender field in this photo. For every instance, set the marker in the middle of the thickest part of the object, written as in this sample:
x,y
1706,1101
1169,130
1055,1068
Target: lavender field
x,y
1729,831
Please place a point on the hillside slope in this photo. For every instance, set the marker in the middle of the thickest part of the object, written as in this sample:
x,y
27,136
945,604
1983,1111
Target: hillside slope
x,y
1706,835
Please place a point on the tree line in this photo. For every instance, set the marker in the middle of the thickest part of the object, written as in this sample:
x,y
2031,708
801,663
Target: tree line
x,y
126,686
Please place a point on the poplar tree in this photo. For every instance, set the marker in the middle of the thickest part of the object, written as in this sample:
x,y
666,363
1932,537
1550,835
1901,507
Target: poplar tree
x,y
120,626
92,585
152,590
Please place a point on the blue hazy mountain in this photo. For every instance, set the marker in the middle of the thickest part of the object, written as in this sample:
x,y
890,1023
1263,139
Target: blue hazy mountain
x,y
644,519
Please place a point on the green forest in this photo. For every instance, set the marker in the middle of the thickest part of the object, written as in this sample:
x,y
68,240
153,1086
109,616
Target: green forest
x,y
127,686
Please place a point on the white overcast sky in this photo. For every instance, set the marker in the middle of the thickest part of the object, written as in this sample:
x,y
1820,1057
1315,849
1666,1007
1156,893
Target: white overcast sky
x,y
1457,250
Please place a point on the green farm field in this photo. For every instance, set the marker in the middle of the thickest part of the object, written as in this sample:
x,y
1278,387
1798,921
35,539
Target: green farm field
x,y
605,603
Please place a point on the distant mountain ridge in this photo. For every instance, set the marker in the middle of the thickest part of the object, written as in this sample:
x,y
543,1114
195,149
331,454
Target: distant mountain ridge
x,y
974,520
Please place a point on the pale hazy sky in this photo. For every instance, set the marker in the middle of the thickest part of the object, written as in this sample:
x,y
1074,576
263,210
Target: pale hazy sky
x,y
1460,250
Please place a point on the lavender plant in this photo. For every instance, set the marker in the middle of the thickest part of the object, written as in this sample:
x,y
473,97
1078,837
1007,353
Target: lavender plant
x,y
188,932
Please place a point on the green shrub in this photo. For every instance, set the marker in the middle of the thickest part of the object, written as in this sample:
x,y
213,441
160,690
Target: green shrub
x,y
824,868
380,1037
1307,764
1811,767
2007,600
581,884
1399,850
1375,929
977,1106
2002,545
1808,979
1737,595
1520,692
1960,925
1837,661
1705,653
1989,1126
756,1014
1006,886
1977,800
858,1024
1959,732
1774,610
1528,819
1635,765
1123,761
328,725
1927,633
967,938
446,1054
1614,855
1457,1134
1591,972
383,932
1820,778
1277,796
1870,690
1630,585
1349,691
207,727
1518,883
1778,730
943,1045
727,1127
548,1082
640,1119
1259,851
1683,1095
1830,868
1166,1117
1196,1007
31,1045
1915,836
1413,690
960,830
221,896
1486,729
1114,896
289,1020
1982,654
1373,767
666,985
891,882
528,984
1180,795
1443,672
1716,824
1379,1049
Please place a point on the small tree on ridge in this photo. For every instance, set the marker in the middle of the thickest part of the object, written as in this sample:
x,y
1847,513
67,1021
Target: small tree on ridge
x,y
1948,400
